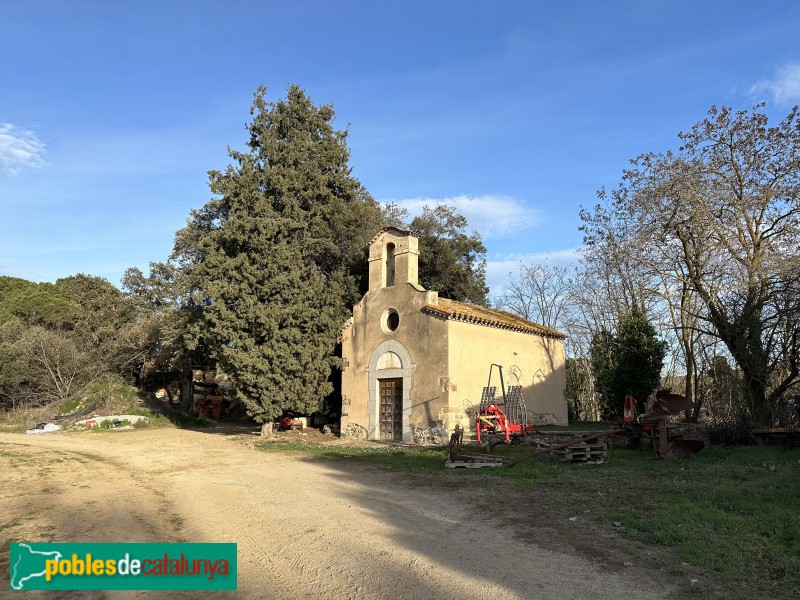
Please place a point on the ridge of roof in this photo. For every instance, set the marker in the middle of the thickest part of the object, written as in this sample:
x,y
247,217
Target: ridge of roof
x,y
393,228
491,317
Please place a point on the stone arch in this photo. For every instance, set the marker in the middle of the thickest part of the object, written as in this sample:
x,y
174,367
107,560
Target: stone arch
x,y
379,361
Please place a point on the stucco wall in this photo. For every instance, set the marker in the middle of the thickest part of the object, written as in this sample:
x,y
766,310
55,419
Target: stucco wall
x,y
538,361
451,361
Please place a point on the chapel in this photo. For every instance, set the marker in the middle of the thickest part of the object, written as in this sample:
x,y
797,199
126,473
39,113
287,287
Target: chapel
x,y
415,364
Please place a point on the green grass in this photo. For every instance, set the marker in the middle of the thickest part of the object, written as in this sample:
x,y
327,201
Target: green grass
x,y
579,426
409,460
74,405
107,395
732,512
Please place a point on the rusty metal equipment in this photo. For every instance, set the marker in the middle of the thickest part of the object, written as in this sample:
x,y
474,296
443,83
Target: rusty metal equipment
x,y
576,442
663,441
289,421
459,458
501,423
491,422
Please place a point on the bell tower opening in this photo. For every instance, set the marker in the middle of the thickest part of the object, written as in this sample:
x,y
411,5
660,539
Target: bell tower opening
x,y
389,265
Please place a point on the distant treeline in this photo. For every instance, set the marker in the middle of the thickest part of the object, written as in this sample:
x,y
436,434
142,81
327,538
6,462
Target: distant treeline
x,y
57,337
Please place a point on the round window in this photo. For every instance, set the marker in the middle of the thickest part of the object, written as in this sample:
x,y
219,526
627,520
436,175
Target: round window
x,y
390,320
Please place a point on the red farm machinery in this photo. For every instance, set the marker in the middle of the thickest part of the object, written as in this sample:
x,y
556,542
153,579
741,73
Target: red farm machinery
x,y
664,440
501,422
504,422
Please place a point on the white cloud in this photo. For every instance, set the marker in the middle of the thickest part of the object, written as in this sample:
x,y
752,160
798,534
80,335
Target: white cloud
x,y
491,216
19,150
499,268
784,88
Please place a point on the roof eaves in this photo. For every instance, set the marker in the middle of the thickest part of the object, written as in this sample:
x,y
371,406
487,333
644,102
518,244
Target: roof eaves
x,y
455,315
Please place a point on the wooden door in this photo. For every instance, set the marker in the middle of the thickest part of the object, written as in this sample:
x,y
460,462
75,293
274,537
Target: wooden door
x,y
391,417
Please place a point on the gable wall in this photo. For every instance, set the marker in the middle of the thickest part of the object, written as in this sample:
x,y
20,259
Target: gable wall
x,y
424,339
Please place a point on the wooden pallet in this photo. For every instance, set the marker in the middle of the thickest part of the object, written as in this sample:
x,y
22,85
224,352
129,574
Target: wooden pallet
x,y
584,453
472,464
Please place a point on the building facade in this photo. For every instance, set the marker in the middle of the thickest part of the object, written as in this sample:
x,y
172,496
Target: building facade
x,y
415,364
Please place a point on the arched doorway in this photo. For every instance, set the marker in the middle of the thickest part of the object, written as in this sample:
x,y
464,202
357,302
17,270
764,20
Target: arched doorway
x,y
390,370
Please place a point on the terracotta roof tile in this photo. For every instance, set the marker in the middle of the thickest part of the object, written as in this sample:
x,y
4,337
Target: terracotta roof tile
x,y
491,317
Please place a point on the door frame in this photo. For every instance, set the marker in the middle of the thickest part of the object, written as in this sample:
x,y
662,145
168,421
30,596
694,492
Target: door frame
x,y
396,409
404,372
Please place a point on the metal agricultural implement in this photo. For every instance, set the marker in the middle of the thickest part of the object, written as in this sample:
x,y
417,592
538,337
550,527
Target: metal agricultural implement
x,y
501,422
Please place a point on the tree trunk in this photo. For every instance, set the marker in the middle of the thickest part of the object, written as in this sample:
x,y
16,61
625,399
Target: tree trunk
x,y
760,410
267,429
187,399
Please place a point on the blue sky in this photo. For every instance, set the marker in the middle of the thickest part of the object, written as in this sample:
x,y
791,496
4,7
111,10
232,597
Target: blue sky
x,y
111,113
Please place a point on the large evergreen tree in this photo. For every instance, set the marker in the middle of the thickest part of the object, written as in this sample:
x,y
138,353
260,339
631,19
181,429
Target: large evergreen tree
x,y
629,362
450,260
273,260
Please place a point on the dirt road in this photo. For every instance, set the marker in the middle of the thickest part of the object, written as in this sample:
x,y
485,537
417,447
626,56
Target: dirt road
x,y
304,529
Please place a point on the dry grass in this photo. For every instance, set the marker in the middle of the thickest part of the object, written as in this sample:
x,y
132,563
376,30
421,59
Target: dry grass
x,y
108,396
19,420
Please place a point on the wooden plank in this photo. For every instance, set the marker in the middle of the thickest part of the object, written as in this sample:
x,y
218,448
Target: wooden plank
x,y
458,464
584,453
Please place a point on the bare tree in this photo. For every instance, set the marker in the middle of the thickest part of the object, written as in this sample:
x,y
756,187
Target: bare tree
x,y
721,221
541,293
550,295
55,367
